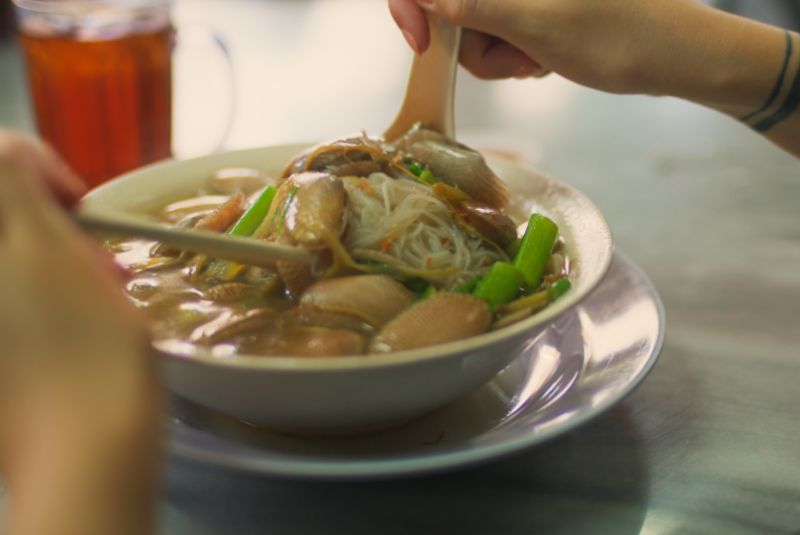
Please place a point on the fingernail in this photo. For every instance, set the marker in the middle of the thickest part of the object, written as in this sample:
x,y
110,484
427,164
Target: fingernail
x,y
426,4
411,41
525,71
73,182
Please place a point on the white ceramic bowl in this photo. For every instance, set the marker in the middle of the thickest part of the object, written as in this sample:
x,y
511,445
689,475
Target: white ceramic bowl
x,y
344,394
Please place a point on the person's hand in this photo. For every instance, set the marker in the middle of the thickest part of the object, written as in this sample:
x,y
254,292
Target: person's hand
x,y
20,154
79,393
668,47
679,48
605,44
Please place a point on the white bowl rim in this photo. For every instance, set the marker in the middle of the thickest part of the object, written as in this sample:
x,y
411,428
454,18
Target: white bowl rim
x,y
203,356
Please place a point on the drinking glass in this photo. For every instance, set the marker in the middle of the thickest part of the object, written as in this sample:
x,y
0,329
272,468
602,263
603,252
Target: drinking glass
x,y
100,78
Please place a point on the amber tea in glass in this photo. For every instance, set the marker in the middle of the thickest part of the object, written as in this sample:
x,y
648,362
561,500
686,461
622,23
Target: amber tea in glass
x,y
100,75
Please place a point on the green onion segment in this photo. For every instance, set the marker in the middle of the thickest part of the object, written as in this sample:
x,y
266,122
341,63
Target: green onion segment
x,y
254,215
500,285
534,251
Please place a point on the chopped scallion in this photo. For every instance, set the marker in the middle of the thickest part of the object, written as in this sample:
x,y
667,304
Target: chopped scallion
x,y
559,288
500,285
254,215
535,248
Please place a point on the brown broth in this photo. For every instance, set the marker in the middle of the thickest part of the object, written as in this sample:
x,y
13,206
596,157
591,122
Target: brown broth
x,y
181,307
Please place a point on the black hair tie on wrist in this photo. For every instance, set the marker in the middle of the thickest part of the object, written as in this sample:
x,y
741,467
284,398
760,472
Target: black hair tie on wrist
x,y
791,100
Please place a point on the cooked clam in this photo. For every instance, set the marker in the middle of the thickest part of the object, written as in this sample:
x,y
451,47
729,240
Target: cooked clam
x,y
229,291
296,277
317,210
489,222
455,164
307,209
445,317
319,342
335,155
231,324
353,301
223,217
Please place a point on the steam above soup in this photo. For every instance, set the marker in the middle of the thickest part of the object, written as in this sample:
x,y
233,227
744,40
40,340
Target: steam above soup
x,y
411,246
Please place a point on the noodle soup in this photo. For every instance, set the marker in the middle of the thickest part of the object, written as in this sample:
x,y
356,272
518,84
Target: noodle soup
x,y
411,246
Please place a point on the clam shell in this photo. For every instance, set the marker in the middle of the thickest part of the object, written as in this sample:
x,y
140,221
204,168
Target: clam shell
x,y
317,209
296,277
223,217
445,317
372,299
230,325
229,291
461,167
328,155
489,222
315,342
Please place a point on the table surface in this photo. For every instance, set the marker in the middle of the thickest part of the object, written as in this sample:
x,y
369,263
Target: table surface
x,y
710,443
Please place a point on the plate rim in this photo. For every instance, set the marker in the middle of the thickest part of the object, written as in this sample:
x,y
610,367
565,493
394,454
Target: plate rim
x,y
434,462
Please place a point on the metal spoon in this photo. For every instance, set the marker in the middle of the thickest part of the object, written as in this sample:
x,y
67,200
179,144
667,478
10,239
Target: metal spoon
x,y
431,84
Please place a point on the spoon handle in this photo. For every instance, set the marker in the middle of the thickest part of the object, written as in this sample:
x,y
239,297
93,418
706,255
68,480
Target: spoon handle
x,y
431,83
244,250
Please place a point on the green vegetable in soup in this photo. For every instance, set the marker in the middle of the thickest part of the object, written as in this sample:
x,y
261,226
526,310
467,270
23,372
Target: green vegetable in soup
x,y
559,288
414,167
427,177
469,286
430,291
534,251
254,215
500,285
539,300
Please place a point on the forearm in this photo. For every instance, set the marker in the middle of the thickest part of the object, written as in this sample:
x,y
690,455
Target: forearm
x,y
92,498
88,476
745,69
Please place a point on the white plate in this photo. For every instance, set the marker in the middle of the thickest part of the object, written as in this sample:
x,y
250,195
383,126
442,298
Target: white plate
x,y
587,361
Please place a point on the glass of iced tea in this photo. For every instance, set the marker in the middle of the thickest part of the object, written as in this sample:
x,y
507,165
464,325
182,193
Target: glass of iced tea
x,y
100,76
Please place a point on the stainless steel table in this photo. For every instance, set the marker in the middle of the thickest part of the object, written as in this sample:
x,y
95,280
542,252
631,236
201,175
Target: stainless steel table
x,y
710,443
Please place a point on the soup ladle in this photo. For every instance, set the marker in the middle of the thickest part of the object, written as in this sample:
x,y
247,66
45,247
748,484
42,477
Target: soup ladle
x,y
431,84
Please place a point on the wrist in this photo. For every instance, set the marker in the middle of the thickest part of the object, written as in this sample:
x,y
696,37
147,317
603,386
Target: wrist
x,y
725,61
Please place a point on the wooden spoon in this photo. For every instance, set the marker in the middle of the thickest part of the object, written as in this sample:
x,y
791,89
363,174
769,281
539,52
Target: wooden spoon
x,y
431,84
243,250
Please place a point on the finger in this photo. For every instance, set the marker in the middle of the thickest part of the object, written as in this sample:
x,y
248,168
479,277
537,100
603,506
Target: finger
x,y
59,177
413,23
31,177
488,16
490,58
43,164
19,187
